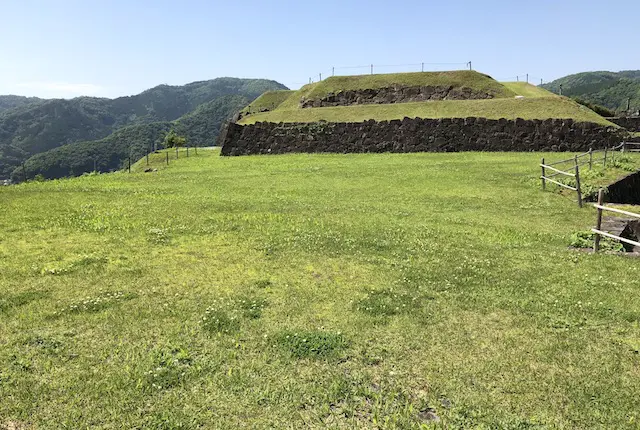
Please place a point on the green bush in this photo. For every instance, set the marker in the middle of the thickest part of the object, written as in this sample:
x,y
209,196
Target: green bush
x,y
586,240
600,110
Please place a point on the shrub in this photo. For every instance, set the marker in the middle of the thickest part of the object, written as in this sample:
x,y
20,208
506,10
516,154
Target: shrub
x,y
600,110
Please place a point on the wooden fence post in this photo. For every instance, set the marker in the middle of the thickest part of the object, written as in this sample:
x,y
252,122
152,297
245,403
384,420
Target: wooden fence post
x,y
167,153
176,152
24,172
578,190
605,158
187,152
590,158
544,182
147,158
129,163
195,148
613,156
596,242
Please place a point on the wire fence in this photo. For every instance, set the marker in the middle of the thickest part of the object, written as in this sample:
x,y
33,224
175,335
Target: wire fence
x,y
372,69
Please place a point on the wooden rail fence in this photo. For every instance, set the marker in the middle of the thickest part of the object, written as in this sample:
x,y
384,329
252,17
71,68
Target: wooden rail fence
x,y
587,158
598,230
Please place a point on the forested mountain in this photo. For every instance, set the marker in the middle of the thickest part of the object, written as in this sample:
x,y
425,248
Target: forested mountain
x,y
10,102
609,89
200,127
29,128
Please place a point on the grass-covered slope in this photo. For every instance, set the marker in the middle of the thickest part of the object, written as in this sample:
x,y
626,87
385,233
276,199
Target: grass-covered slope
x,y
538,103
267,101
457,79
312,291
527,90
527,108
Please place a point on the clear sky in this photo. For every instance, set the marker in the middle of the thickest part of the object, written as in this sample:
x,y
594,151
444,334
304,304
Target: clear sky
x,y
66,48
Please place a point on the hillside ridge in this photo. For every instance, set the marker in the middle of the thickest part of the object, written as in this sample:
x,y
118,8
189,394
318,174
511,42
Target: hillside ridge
x,y
31,128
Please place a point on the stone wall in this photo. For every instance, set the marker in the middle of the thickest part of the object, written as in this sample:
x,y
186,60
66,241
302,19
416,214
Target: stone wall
x,y
626,190
416,135
630,123
396,94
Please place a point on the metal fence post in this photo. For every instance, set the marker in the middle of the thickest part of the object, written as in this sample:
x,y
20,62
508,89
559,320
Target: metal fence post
x,y
596,241
544,182
578,190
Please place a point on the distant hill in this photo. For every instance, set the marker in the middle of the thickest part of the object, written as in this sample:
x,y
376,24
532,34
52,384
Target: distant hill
x,y
35,126
200,127
608,89
10,102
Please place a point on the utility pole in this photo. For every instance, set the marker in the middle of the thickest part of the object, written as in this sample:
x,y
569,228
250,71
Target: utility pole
x,y
333,71
527,78
560,89
372,69
540,81
320,76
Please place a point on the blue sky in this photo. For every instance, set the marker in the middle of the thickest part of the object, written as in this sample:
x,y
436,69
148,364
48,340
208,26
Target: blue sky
x,y
66,48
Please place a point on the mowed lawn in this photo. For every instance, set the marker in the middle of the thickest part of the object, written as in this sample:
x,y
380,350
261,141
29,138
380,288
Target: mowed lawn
x,y
312,291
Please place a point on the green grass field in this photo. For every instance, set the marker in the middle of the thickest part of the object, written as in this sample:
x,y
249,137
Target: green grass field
x,y
527,108
312,291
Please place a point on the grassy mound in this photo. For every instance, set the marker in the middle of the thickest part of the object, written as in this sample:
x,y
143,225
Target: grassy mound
x,y
538,103
457,79
341,291
527,90
528,108
268,101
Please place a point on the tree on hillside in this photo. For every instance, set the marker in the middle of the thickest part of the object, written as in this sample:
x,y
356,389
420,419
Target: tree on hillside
x,y
172,140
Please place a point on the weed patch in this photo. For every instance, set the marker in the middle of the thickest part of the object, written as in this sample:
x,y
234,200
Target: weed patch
x,y
388,302
586,240
14,301
171,368
225,315
96,303
159,236
314,344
